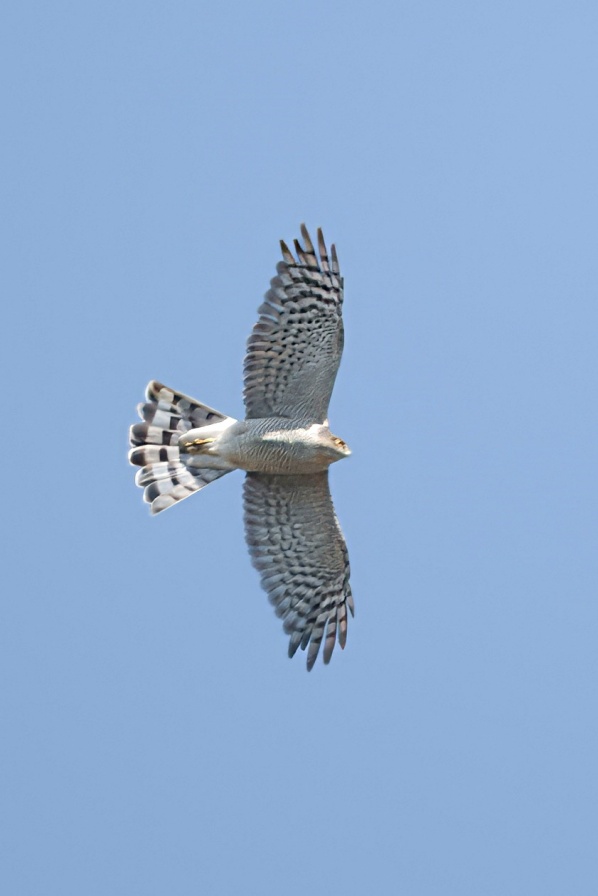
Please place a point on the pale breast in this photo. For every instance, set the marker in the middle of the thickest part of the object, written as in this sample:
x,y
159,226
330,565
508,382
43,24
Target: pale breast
x,y
262,449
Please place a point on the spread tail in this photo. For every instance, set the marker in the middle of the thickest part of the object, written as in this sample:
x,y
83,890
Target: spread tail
x,y
164,475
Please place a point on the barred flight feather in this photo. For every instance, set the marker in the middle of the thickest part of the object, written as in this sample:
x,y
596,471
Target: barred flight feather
x,y
295,348
296,544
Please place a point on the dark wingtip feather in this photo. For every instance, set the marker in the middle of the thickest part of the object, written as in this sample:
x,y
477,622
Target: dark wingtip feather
x,y
342,626
335,265
307,239
322,250
314,648
286,253
294,642
330,637
300,252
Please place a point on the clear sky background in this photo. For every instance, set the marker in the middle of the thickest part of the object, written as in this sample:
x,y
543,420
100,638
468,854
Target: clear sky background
x,y
156,739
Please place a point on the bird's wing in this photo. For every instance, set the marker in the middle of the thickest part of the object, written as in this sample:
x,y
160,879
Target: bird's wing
x,y
296,544
295,348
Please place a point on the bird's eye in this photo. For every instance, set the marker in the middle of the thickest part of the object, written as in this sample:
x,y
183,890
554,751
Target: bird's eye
x,y
339,443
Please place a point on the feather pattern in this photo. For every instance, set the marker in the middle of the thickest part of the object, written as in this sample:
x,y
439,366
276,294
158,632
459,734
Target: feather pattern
x,y
292,532
164,475
295,349
296,544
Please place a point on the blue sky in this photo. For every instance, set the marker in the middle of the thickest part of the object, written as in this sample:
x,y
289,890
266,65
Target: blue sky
x,y
156,738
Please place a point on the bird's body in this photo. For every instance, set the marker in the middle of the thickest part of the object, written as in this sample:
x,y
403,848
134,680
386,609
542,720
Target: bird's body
x,y
284,445
273,445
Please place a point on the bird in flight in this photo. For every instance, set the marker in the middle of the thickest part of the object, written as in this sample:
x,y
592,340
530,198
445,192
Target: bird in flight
x,y
284,445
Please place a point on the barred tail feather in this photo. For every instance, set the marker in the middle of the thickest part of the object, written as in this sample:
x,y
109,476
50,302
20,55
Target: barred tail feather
x,y
154,446
166,483
174,410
